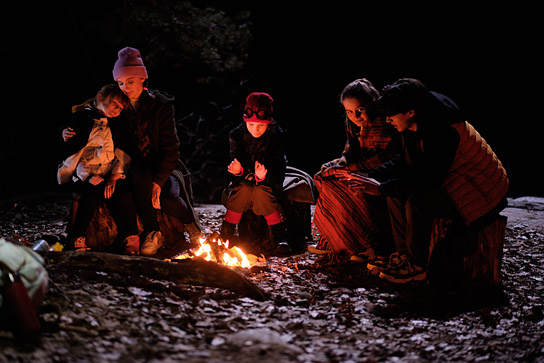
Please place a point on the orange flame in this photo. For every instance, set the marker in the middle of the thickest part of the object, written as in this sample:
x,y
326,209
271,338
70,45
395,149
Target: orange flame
x,y
218,251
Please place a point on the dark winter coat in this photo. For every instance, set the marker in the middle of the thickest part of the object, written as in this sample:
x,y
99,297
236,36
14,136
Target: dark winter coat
x,y
446,152
267,149
153,137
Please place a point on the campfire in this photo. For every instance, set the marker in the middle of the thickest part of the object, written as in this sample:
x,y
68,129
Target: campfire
x,y
215,249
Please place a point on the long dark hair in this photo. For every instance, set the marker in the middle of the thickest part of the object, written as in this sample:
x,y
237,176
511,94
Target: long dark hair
x,y
363,90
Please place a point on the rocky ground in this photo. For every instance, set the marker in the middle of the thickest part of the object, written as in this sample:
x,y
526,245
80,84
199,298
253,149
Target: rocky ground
x,y
318,312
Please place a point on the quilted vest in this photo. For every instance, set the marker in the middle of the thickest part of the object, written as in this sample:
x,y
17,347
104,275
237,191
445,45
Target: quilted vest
x,y
476,181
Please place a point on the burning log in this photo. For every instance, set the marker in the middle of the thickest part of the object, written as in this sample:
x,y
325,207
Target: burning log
x,y
188,271
215,249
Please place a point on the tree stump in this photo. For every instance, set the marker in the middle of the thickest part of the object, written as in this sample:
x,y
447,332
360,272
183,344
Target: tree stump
x,y
457,253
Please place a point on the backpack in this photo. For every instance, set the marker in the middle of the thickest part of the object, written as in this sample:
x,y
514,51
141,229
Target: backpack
x,y
23,283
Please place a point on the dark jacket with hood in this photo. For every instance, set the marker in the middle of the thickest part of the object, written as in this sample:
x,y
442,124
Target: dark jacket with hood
x,y
153,136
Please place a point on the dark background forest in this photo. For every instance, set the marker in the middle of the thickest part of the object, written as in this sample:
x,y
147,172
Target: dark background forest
x,y
211,54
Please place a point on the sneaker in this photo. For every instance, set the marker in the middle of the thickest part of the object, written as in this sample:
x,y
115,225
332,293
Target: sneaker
x,y
404,271
363,256
153,242
380,263
79,244
132,245
227,231
316,250
377,264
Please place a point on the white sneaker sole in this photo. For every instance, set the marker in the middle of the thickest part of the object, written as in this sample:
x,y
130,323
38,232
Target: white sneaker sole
x,y
375,270
317,251
402,280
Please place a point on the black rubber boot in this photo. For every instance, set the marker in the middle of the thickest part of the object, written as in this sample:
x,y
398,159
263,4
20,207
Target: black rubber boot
x,y
228,231
279,237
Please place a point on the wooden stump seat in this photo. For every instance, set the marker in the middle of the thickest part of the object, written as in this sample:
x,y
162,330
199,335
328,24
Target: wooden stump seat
x,y
457,253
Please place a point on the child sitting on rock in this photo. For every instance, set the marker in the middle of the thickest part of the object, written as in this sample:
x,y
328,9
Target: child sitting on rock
x,y
258,170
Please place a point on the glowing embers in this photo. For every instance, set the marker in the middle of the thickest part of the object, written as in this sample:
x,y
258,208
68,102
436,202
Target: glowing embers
x,y
216,250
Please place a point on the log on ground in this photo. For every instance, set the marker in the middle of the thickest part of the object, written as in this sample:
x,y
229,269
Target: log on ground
x,y
188,271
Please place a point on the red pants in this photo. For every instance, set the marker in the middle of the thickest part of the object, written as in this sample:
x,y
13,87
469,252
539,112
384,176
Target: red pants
x,y
256,197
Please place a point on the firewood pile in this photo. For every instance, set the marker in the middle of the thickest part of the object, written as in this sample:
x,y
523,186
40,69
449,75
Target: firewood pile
x,y
315,310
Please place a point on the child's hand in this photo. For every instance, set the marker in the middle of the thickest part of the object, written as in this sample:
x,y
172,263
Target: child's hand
x,y
260,171
235,167
68,133
110,185
95,180
156,195
110,188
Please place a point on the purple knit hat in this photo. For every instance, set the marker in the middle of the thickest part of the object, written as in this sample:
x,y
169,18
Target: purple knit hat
x,y
129,64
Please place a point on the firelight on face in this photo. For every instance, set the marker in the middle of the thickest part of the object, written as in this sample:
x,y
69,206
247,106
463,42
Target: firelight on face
x,y
355,112
403,121
131,86
256,129
110,108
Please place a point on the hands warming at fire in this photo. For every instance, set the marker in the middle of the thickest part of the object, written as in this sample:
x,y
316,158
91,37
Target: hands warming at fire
x,y
360,182
260,171
235,167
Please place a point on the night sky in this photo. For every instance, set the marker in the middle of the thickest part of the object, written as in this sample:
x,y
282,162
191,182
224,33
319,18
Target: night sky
x,y
485,59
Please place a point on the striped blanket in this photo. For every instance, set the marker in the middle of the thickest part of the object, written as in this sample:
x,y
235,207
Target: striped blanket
x,y
348,223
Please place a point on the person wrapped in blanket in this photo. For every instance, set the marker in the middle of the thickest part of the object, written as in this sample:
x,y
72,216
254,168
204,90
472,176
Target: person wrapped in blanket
x,y
446,169
346,224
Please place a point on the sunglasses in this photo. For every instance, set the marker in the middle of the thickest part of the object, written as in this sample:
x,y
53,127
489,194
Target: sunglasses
x,y
260,114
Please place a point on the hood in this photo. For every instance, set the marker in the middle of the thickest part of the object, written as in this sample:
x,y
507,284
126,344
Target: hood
x,y
440,110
